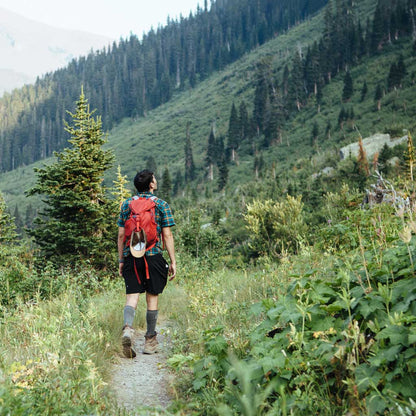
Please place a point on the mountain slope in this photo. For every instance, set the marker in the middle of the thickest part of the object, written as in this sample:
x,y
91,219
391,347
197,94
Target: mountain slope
x,y
162,133
24,41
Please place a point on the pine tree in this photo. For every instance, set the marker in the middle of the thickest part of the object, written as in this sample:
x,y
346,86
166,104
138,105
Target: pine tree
x,y
166,187
378,96
314,133
364,90
244,122
222,173
78,222
348,89
178,183
120,191
383,159
7,226
18,221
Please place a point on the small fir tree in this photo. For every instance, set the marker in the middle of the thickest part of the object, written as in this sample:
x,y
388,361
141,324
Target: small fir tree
x,y
314,133
166,187
120,191
378,96
7,226
364,91
348,89
78,222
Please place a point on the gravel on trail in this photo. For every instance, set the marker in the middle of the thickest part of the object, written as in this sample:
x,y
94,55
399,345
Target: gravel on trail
x,y
141,385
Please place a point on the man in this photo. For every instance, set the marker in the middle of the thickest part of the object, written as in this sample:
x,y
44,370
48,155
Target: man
x,y
149,273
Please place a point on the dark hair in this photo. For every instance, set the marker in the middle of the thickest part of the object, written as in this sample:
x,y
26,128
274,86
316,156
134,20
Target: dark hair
x,y
142,180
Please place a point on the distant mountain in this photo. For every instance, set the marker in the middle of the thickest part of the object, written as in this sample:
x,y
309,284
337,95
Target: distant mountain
x,y
29,49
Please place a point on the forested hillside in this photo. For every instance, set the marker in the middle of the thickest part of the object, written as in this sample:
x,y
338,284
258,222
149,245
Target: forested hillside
x,y
137,75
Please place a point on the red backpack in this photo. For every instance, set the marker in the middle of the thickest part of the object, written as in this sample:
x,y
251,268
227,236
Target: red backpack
x,y
141,225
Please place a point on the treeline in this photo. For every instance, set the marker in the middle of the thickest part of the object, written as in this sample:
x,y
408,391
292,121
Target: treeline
x,y
134,76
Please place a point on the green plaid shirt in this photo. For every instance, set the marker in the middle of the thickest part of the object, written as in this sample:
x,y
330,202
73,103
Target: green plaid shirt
x,y
164,218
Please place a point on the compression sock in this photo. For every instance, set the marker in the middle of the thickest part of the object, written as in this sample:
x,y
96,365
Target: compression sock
x,y
151,319
129,312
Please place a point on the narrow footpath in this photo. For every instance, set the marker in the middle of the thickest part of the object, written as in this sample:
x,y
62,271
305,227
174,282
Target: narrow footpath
x,y
141,384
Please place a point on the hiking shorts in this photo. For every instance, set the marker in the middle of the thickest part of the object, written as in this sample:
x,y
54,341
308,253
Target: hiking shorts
x,y
158,274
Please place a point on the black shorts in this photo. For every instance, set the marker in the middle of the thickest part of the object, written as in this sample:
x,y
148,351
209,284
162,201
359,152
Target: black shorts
x,y
158,274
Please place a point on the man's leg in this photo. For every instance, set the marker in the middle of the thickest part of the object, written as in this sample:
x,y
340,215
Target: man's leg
x,y
132,300
151,344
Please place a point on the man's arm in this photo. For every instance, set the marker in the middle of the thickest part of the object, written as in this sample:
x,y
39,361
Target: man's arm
x,y
170,247
120,246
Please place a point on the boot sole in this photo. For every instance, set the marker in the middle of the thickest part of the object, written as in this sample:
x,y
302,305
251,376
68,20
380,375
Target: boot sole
x,y
127,349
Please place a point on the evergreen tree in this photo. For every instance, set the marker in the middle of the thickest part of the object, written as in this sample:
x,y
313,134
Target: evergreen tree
x,y
314,133
378,96
166,187
364,91
258,165
296,94
383,159
18,221
328,129
178,183
244,122
7,226
189,158
78,222
120,191
222,173
348,89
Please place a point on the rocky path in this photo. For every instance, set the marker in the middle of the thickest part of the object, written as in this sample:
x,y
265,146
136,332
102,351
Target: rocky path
x,y
141,384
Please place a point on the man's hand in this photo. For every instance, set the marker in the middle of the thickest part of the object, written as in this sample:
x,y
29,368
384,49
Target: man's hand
x,y
172,271
120,269
170,247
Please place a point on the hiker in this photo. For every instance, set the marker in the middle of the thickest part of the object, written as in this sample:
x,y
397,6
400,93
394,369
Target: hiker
x,y
144,269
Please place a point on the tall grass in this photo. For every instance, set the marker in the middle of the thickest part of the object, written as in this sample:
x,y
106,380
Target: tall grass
x,y
54,354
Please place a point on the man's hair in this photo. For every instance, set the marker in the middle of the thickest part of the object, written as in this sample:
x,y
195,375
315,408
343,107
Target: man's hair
x,y
142,180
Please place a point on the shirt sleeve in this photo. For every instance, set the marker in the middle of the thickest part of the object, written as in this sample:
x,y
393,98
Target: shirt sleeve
x,y
166,216
124,213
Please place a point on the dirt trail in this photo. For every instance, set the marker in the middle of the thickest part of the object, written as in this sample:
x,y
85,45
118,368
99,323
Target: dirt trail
x,y
141,384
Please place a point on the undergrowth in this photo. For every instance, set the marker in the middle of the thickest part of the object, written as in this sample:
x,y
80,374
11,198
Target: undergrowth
x,y
324,332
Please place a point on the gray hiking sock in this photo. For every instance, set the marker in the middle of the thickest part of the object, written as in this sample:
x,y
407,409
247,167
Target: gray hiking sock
x,y
129,312
151,319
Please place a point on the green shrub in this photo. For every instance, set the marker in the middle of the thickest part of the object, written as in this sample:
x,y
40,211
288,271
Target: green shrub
x,y
275,227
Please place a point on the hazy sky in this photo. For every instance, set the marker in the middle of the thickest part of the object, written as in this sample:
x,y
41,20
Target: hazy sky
x,y
112,18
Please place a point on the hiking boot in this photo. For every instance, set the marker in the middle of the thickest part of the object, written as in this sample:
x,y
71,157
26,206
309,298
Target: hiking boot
x,y
150,344
126,341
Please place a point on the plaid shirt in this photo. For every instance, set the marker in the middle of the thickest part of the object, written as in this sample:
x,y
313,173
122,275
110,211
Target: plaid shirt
x,y
163,216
